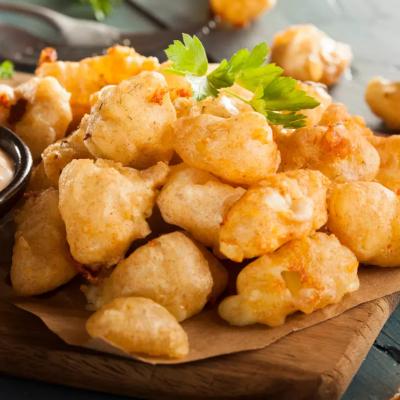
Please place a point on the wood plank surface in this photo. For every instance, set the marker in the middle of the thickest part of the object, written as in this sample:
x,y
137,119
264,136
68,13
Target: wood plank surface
x,y
316,363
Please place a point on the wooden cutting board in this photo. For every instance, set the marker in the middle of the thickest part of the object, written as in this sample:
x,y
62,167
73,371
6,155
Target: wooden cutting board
x,y
315,363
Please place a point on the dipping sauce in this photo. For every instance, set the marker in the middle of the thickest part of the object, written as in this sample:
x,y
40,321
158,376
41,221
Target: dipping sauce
x,y
6,169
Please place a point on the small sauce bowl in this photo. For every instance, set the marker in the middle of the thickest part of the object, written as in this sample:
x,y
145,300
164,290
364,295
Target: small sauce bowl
x,y
19,153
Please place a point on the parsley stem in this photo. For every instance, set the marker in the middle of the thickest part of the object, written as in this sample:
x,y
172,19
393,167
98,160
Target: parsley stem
x,y
227,91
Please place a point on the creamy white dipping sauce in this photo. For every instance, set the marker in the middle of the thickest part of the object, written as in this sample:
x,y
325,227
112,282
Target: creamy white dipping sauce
x,y
6,169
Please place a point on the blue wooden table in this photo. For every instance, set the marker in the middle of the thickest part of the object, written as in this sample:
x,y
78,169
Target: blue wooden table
x,y
372,27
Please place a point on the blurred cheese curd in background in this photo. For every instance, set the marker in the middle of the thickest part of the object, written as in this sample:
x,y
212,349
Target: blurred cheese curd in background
x,y
240,12
308,54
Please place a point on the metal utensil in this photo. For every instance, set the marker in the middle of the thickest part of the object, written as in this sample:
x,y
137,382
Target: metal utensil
x,y
80,38
73,32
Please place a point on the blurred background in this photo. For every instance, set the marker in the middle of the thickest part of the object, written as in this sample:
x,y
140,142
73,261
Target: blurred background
x,y
370,27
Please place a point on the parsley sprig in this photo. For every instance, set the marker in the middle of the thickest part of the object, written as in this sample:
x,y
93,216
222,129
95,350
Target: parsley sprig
x,y
275,96
101,8
6,69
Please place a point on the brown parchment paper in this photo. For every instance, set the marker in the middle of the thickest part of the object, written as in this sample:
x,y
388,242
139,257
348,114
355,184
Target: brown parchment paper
x,y
63,312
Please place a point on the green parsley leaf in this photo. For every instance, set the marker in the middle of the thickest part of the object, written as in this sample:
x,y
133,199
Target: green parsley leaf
x,y
282,94
6,69
279,101
252,78
229,72
277,97
287,120
189,57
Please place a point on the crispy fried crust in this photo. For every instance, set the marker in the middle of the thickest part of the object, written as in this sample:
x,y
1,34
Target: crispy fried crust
x,y
365,216
41,259
239,149
197,201
41,113
105,206
281,208
170,270
303,275
131,122
89,75
338,147
139,326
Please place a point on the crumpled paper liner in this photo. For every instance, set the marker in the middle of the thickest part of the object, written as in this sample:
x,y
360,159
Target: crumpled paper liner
x,y
63,312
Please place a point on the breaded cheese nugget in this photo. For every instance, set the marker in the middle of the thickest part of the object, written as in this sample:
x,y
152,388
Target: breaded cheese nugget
x,y
38,180
138,325
283,207
104,206
239,149
7,100
339,149
389,255
388,148
171,270
85,77
41,260
240,12
308,54
318,92
178,85
41,114
197,202
131,122
383,97
56,156
361,215
303,275
223,106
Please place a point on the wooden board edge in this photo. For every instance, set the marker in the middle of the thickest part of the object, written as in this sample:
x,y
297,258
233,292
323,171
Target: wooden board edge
x,y
334,382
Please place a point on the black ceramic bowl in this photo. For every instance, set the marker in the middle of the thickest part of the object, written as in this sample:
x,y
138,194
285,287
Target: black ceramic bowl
x,y
12,145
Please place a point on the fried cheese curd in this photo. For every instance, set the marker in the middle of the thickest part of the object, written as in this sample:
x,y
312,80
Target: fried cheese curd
x,y
240,12
56,156
388,148
223,106
365,216
89,75
40,114
383,98
7,99
197,201
282,207
338,147
171,270
105,206
239,149
303,275
138,325
38,180
318,92
41,260
308,54
131,122
178,85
